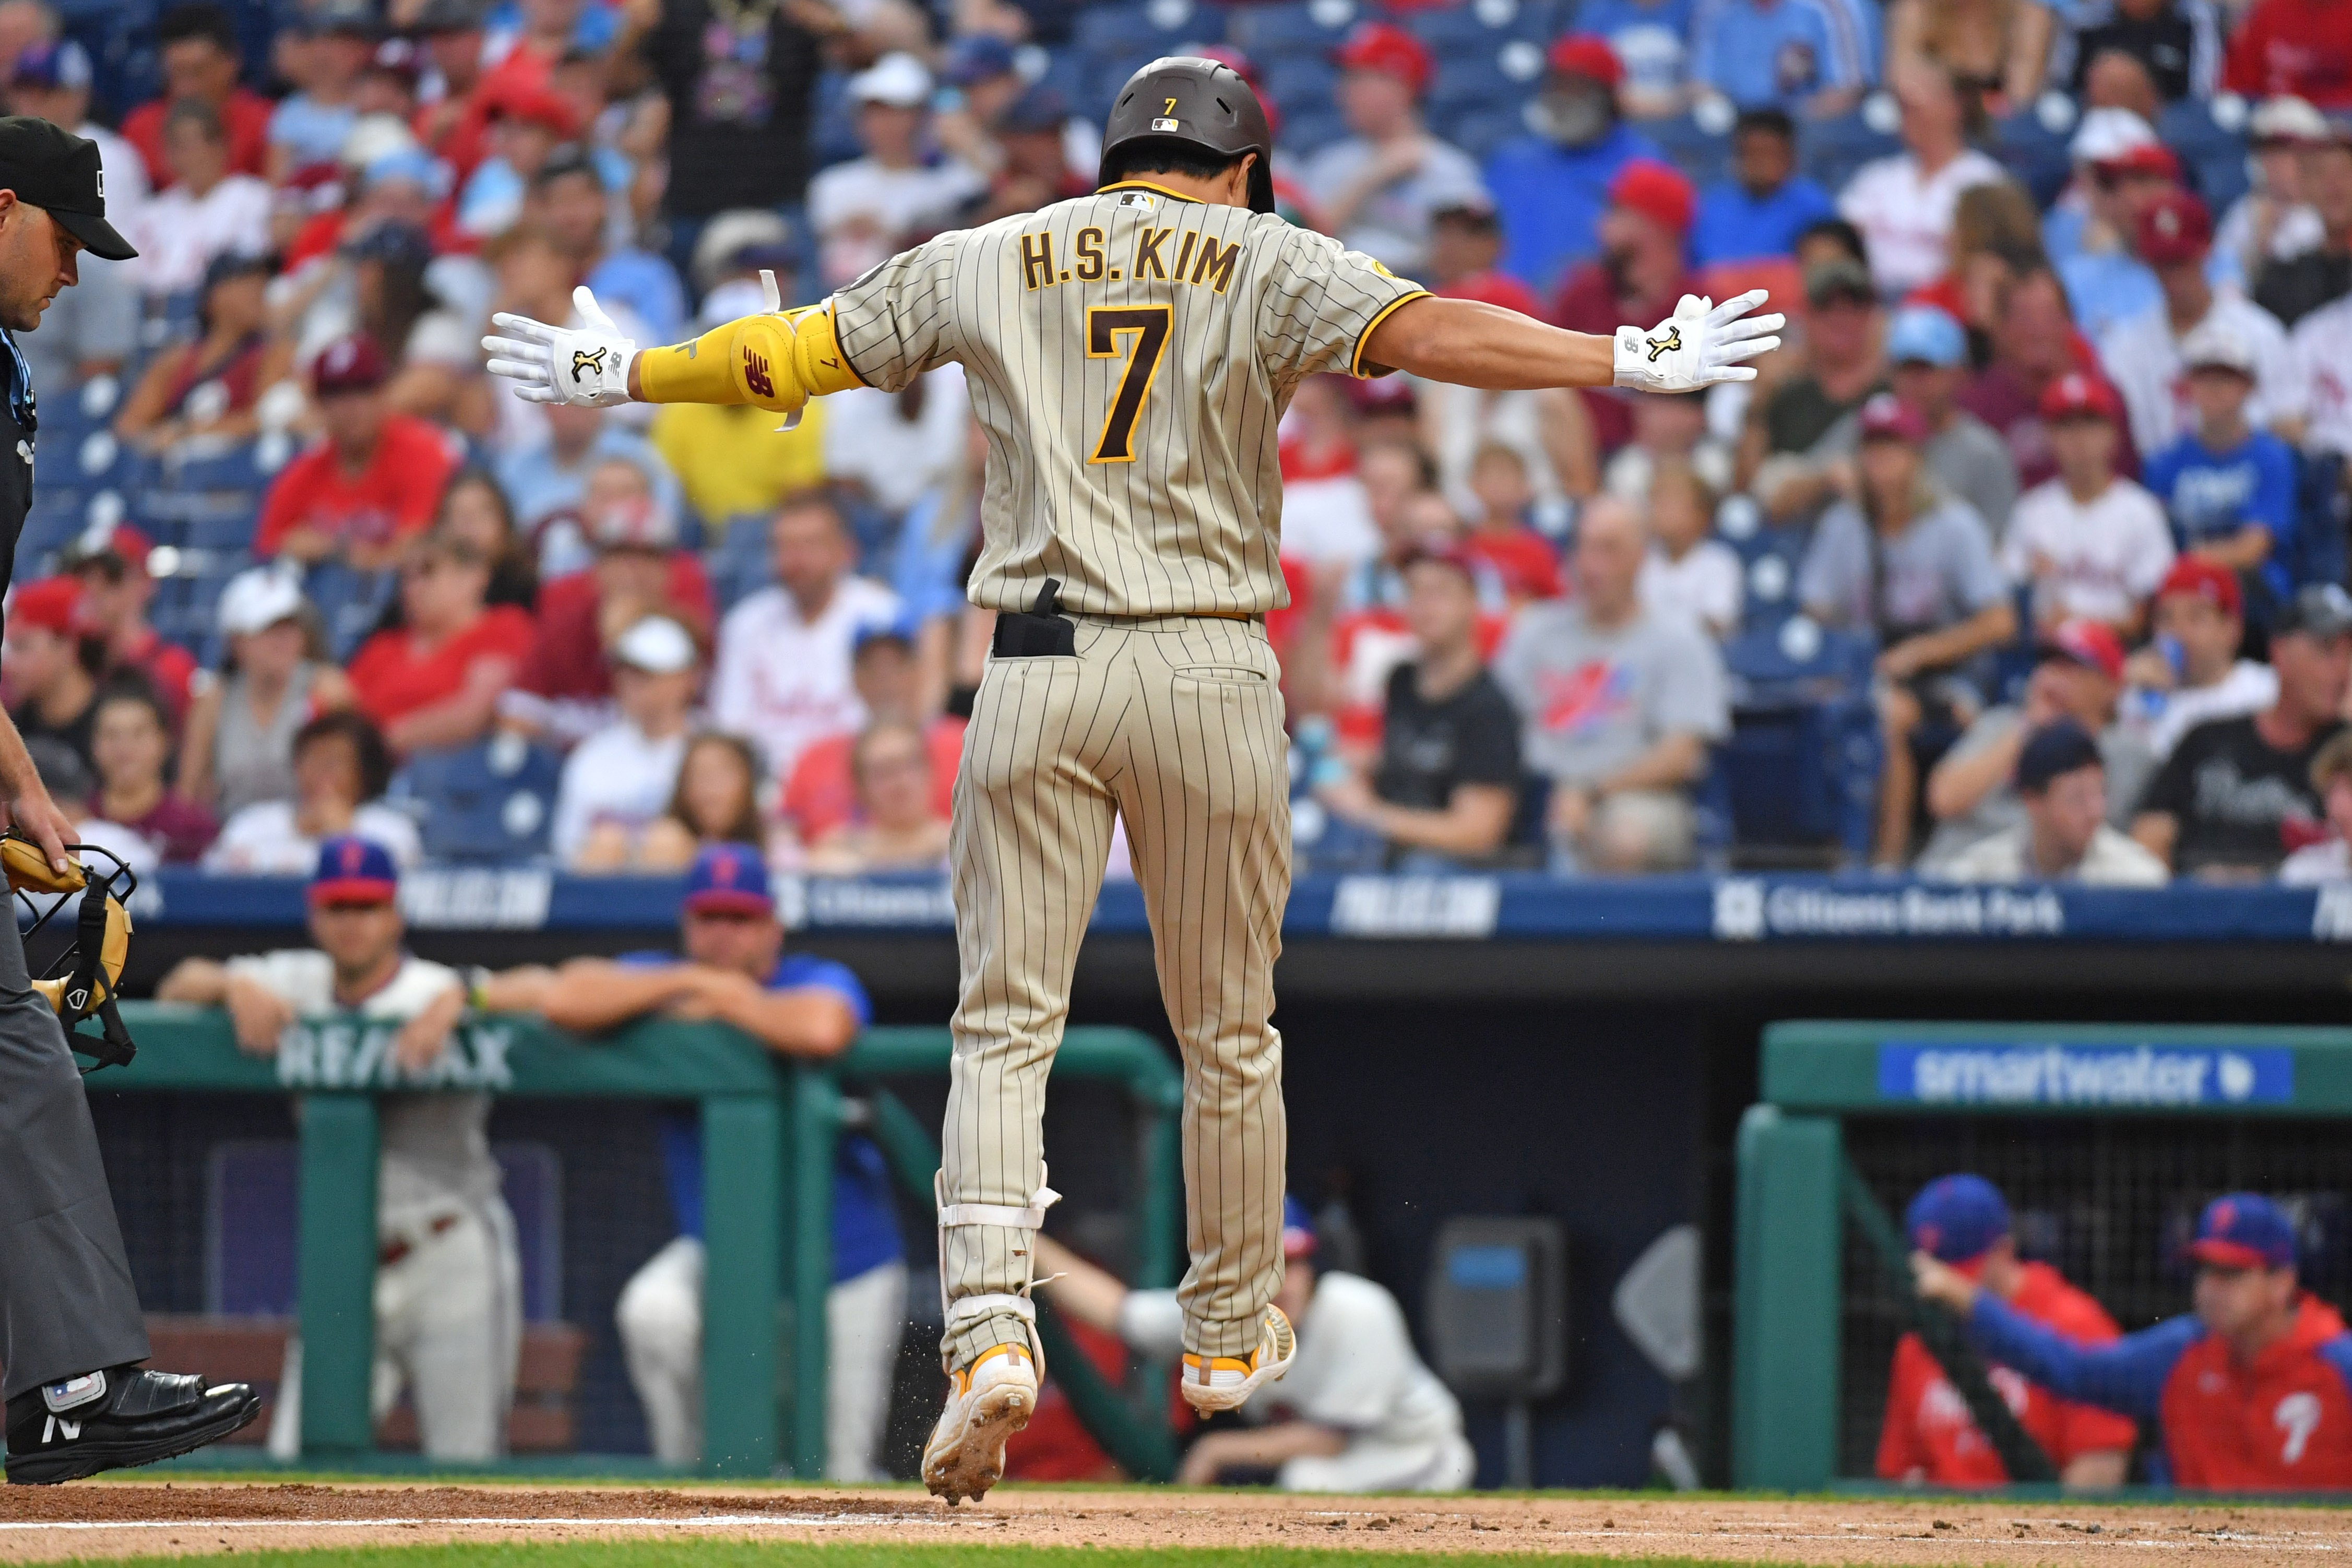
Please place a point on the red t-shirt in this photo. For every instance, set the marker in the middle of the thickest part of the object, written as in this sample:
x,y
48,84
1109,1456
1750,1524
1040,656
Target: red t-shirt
x,y
1522,560
396,493
2298,46
821,797
167,666
245,117
393,678
1929,1433
567,655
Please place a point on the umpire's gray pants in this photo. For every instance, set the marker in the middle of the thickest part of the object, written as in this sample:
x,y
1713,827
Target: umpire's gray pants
x,y
66,1302
1174,725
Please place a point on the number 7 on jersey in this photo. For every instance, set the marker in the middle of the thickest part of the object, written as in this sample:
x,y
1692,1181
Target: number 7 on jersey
x,y
1105,324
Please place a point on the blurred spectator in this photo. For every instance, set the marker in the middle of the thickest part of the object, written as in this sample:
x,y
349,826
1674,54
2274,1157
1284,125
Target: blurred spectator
x,y
1996,238
731,461
899,826
1465,244
1326,522
1994,52
865,210
51,81
2190,672
2230,488
434,681
2143,354
1666,429
197,49
1445,786
2061,788
2137,203
207,386
1906,562
450,122
1806,56
474,510
1555,182
2033,347
130,745
1650,40
1972,793
1033,146
717,802
783,673
321,50
820,794
1524,564
2297,47
1766,203
208,210
1639,275
740,83
111,563
341,769
889,448
2087,543
525,126
1903,203
568,201
618,780
2330,859
1844,368
2177,43
2106,144
980,80
238,748
2273,221
373,481
1928,352
434,350
563,691
2114,80
547,482
2236,795
2294,288
1377,186
1620,705
52,667
1689,572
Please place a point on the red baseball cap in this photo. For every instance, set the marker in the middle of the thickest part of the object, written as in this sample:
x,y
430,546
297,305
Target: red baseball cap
x,y
2147,158
349,364
2092,644
2173,228
1655,191
1586,55
1887,416
2202,579
53,603
1385,47
2078,396
100,542
539,106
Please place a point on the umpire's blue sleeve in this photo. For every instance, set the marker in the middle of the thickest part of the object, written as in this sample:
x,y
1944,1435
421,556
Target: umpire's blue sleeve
x,y
2125,1376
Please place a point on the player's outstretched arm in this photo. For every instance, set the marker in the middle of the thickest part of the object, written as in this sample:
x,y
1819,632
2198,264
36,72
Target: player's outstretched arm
x,y
1484,346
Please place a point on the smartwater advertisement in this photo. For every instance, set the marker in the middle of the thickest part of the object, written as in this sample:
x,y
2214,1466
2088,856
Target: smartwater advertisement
x,y
1955,1072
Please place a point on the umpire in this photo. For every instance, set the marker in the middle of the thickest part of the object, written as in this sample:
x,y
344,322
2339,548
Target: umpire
x,y
71,1338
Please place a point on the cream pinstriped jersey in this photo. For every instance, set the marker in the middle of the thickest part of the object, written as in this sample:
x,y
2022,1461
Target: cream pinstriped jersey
x,y
1129,355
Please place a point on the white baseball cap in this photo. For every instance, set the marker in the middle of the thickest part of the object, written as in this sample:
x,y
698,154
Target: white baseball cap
x,y
898,78
2211,343
257,600
656,645
2107,134
2287,118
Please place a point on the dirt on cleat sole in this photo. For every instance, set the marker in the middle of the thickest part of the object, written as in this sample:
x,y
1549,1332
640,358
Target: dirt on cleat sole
x,y
977,1462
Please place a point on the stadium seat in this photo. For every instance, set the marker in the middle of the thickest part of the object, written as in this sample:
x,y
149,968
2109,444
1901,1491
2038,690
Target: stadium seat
x,y
833,137
2034,153
350,603
2211,154
2320,522
1307,131
1477,130
1484,24
1702,154
1801,769
739,564
489,803
1301,28
1300,84
1154,27
1831,150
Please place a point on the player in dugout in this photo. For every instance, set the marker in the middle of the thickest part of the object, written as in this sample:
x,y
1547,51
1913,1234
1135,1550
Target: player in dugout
x,y
1357,1412
2253,1390
1962,1221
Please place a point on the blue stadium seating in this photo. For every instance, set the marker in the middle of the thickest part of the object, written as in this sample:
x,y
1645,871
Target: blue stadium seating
x,y
833,129
2034,153
1831,150
1479,130
739,565
489,803
1484,24
1155,27
2212,156
1292,28
1801,769
1300,84
1308,129
2320,522
349,602
1702,154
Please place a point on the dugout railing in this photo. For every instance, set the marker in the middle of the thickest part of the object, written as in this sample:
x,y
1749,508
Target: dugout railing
x,y
770,1129
2107,1140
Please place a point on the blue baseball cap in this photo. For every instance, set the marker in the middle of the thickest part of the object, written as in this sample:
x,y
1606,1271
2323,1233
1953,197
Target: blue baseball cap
x,y
728,879
354,870
1927,335
975,57
2244,1230
1958,1219
1297,1229
62,63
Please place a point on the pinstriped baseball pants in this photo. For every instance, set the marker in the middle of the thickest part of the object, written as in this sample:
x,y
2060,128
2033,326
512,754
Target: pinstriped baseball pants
x,y
1173,724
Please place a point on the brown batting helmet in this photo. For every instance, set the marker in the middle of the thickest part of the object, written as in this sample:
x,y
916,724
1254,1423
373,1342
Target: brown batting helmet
x,y
1181,98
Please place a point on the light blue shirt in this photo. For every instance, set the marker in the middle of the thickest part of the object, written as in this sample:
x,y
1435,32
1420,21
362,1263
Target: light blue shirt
x,y
1780,52
314,132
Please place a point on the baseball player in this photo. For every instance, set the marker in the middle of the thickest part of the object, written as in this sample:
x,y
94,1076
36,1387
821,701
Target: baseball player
x,y
1360,1412
1129,355
448,1278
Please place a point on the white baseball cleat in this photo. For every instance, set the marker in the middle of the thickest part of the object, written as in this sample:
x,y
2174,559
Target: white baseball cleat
x,y
987,1402
1223,1382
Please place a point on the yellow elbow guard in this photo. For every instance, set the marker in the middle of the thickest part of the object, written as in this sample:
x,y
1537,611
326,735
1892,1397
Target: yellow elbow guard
x,y
776,362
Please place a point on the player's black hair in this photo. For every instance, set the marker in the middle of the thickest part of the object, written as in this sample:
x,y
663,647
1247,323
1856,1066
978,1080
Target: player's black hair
x,y
1165,155
367,742
200,20
1765,116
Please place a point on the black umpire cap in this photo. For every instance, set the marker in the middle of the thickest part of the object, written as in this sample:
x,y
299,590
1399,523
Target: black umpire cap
x,y
1180,97
59,171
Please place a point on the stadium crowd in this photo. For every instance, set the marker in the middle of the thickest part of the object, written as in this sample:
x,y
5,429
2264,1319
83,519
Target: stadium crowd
x,y
2028,550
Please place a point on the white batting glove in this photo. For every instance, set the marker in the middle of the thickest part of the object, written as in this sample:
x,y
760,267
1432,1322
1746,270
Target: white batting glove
x,y
1701,343
587,366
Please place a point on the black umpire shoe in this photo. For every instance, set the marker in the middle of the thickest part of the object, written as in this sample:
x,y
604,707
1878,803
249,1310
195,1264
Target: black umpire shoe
x,y
132,1416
